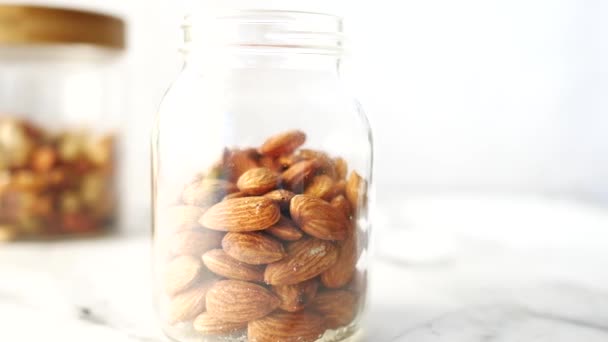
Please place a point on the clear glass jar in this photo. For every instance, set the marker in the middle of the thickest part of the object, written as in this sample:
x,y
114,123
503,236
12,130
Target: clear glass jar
x,y
60,98
261,173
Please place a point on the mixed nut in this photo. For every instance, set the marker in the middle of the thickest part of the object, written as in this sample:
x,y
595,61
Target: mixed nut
x,y
265,244
54,183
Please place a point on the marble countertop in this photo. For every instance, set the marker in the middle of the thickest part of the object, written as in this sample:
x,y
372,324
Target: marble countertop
x,y
445,268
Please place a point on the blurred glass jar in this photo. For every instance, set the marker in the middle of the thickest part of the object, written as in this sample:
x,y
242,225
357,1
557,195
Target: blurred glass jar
x,y
261,170
60,98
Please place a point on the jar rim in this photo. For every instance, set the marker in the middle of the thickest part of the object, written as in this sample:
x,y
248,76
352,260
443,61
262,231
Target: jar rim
x,y
265,30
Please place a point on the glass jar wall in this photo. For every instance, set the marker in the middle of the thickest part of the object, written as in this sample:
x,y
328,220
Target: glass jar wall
x,y
261,175
59,100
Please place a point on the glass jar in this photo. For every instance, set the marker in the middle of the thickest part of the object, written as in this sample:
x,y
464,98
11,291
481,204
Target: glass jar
x,y
59,100
261,172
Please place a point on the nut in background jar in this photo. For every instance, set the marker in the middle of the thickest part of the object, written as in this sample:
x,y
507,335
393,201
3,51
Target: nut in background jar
x,y
264,244
54,183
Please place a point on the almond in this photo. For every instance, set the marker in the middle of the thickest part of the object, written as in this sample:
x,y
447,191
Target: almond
x,y
188,304
193,242
355,190
325,165
181,273
257,181
220,263
286,327
318,218
338,308
321,186
338,189
283,143
253,248
296,297
242,214
341,168
206,192
285,230
341,273
285,162
207,324
281,197
295,177
343,205
240,301
182,217
237,162
306,259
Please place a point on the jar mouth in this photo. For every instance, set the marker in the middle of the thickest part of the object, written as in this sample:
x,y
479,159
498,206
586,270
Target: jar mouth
x,y
265,31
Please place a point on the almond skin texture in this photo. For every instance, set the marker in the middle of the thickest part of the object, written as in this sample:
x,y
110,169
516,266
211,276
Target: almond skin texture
x,y
188,304
242,214
281,197
238,194
285,230
300,172
295,297
306,259
253,248
286,327
181,273
338,308
318,218
207,324
257,181
239,301
183,217
220,263
341,273
205,192
355,187
321,187
194,242
270,163
283,143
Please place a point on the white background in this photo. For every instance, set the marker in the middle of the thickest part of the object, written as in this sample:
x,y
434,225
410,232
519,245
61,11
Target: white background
x,y
482,95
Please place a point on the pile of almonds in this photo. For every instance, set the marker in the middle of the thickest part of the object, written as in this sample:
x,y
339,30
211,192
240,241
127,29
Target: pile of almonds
x,y
265,244
54,183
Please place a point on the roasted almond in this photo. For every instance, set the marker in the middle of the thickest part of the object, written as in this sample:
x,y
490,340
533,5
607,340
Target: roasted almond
x,y
295,177
237,162
355,188
181,273
285,230
182,217
281,197
321,187
242,214
337,307
270,163
286,327
306,259
318,218
325,165
283,143
343,205
341,273
296,297
240,301
194,242
253,248
257,181
220,263
341,168
188,304
205,192
208,324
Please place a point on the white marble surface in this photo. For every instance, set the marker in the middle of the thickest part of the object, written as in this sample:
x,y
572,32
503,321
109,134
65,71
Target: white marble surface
x,y
447,268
